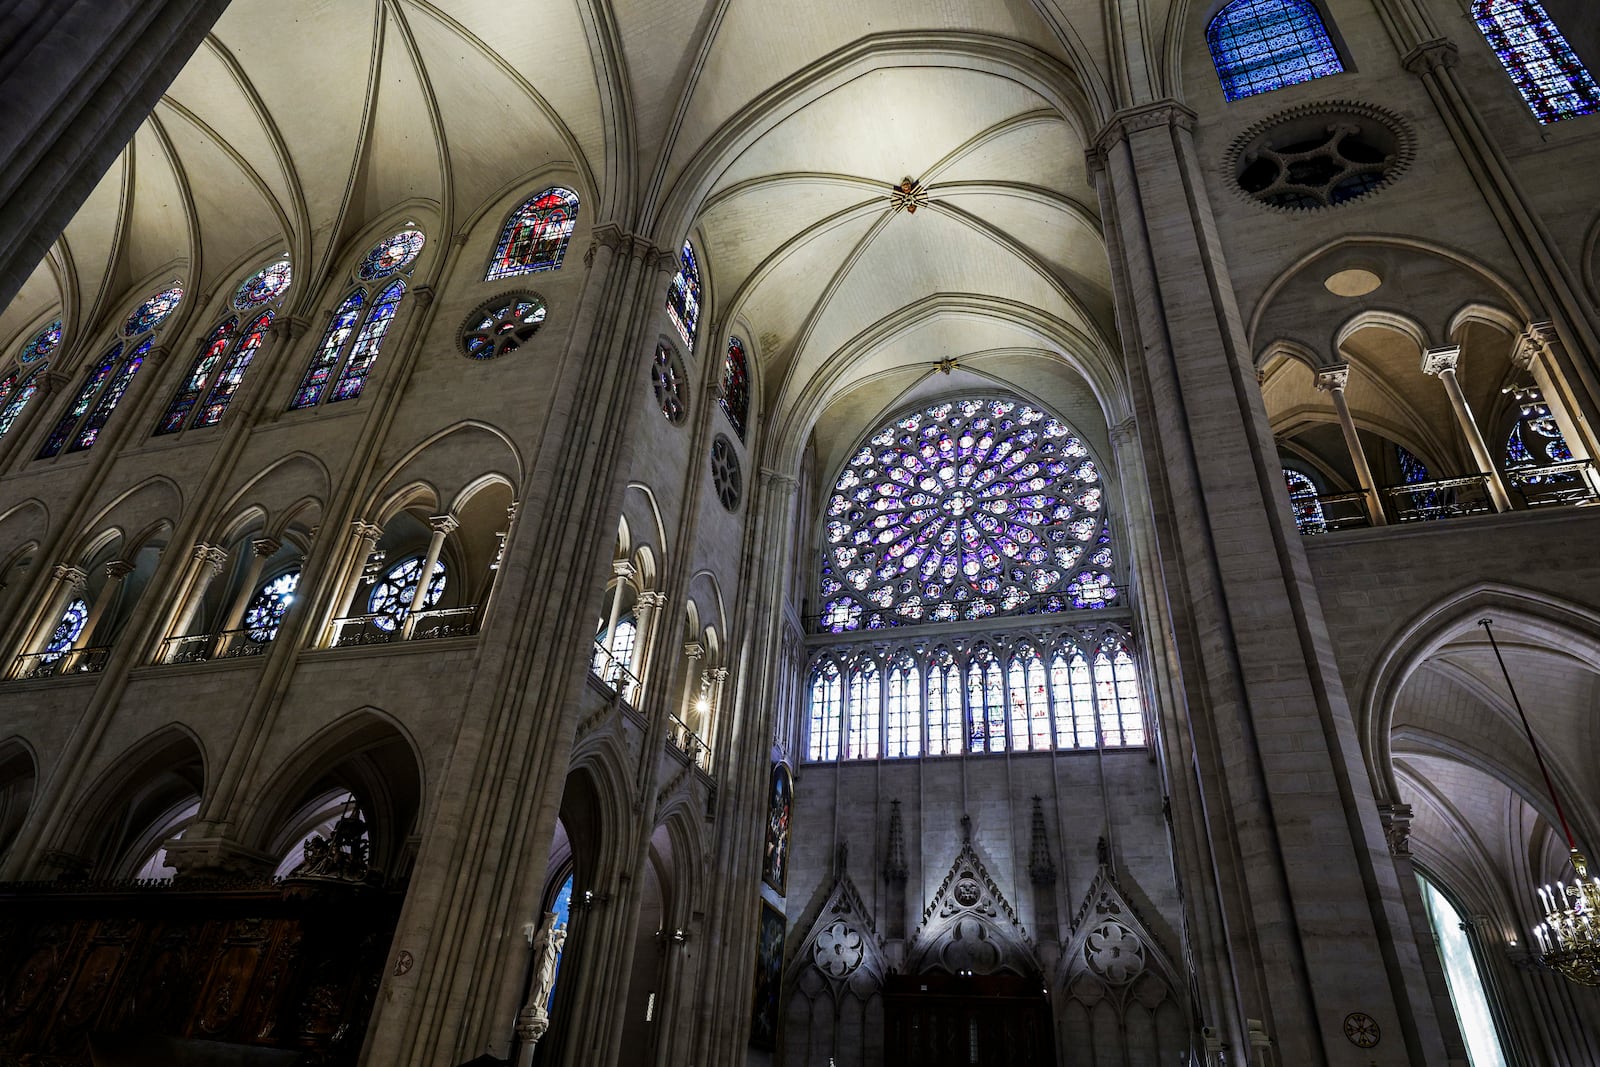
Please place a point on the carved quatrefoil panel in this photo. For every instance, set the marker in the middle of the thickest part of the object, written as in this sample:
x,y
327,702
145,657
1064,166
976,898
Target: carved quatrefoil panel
x,y
838,951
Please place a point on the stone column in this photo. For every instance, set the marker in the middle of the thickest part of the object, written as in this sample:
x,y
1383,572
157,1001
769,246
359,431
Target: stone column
x,y
1288,828
210,561
261,550
1540,351
622,570
443,526
504,536
70,582
1441,363
693,652
1332,380
117,572
364,537
645,613
714,680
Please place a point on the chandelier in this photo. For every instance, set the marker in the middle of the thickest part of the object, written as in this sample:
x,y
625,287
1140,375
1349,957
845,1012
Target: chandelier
x,y
1569,937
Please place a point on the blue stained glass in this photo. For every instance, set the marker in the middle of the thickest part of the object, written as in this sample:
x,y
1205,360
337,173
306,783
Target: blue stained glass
x,y
41,344
393,253
1303,502
536,235
391,598
1412,469
199,373
266,284
153,312
80,403
1536,440
111,397
227,382
15,391
326,358
1546,71
562,906
67,630
683,298
364,353
1261,45
267,607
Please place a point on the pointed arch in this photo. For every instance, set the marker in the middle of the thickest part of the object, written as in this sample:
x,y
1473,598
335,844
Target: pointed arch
x,y
535,235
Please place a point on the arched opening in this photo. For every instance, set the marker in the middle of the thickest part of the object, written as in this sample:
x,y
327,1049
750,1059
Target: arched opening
x,y
19,776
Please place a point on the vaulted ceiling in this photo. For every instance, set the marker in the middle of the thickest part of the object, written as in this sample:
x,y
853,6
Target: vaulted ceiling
x,y
769,133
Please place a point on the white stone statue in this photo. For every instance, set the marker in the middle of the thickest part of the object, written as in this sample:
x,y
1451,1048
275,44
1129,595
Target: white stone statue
x,y
534,1018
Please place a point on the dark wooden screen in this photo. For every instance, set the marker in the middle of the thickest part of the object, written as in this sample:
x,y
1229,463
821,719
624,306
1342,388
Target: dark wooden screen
x,y
940,1020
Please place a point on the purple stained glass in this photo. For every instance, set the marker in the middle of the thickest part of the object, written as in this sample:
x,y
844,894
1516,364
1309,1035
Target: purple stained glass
x,y
326,358
227,382
536,235
266,284
393,253
1261,45
963,510
365,351
111,397
199,373
42,344
1546,71
683,298
80,403
153,312
15,392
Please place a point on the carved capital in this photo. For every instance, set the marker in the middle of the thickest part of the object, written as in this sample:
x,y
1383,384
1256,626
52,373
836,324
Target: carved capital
x,y
1160,114
1536,342
445,524
1439,361
118,569
1125,432
1396,819
621,568
1336,377
422,295
157,355
715,675
776,479
51,382
1433,56
265,547
694,649
365,531
211,557
288,328
74,577
650,601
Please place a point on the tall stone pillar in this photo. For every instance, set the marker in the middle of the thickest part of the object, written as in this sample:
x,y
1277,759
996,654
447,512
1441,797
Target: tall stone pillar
x,y
443,526
1441,363
117,572
70,582
1315,928
209,563
1332,380
261,550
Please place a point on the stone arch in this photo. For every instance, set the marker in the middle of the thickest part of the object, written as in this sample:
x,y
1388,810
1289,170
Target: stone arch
x,y
366,753
135,514
19,778
282,491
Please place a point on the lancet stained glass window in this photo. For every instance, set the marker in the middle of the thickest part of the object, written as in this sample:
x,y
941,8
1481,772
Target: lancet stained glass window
x,y
326,357
1308,517
735,396
1261,45
1535,439
16,389
227,381
827,704
1546,71
562,906
683,298
199,373
965,510
391,598
903,722
536,235
364,353
267,607
866,700
98,397
1468,995
42,344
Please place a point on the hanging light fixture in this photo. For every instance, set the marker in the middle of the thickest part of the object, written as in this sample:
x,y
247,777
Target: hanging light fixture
x,y
1569,937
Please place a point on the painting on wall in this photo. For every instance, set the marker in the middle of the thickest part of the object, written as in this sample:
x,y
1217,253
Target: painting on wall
x,y
780,805
769,977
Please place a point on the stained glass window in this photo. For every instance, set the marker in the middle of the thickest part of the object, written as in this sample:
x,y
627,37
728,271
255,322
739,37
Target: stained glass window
x,y
364,353
326,357
268,283
1261,45
266,608
965,510
391,598
1070,689
1536,439
16,389
562,906
621,651
98,397
986,702
827,702
153,312
232,373
1546,71
394,253
110,397
683,298
1030,704
67,631
503,325
42,344
535,237
735,397
866,701
1117,693
1303,502
945,719
903,720
80,403
199,374
1463,978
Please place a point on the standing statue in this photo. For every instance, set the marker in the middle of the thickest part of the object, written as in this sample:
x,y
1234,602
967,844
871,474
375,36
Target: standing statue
x,y
534,1018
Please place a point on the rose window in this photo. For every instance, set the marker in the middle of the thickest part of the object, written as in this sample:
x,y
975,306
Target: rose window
x,y
502,325
725,472
965,510
666,377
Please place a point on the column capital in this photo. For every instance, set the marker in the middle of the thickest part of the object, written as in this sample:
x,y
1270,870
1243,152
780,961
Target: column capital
x,y
650,600
1396,819
265,546
365,531
421,295
716,675
1157,114
70,575
288,328
1432,56
1438,361
213,556
1124,432
1333,377
694,649
771,476
1534,343
157,355
51,381
445,524
118,569
621,568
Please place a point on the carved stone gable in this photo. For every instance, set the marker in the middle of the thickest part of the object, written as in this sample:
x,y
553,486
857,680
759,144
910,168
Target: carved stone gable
x,y
1113,954
969,925
840,953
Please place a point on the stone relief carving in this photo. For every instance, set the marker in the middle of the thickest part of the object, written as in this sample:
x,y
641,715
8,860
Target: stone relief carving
x,y
969,924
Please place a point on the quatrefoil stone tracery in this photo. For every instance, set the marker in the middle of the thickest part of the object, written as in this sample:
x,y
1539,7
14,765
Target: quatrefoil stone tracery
x,y
1114,952
838,950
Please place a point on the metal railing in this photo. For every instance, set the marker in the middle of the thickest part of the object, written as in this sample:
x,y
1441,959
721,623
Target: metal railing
x,y
1340,511
357,630
57,664
1442,498
230,644
443,622
1568,483
689,743
613,672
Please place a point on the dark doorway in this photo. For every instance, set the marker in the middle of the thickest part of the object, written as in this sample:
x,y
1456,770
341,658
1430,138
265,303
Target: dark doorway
x,y
942,1020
